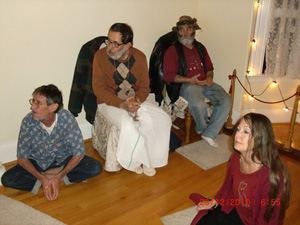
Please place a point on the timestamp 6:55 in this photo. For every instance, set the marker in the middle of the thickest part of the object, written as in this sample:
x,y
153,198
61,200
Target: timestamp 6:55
x,y
272,202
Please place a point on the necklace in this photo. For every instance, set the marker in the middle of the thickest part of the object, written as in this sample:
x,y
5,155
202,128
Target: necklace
x,y
54,139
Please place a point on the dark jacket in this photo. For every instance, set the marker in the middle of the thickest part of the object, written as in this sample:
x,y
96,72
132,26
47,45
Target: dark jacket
x,y
157,81
81,90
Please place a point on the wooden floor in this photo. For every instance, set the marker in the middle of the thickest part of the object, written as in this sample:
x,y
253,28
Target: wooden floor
x,y
127,198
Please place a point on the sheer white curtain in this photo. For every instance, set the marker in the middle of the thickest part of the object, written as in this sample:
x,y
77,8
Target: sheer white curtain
x,y
283,45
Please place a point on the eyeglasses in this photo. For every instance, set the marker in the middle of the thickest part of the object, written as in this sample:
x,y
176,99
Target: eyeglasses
x,y
113,44
35,102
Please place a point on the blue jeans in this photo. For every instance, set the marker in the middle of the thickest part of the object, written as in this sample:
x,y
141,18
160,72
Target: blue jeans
x,y
220,99
19,178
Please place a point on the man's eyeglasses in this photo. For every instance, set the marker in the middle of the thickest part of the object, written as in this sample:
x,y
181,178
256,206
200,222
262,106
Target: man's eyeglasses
x,y
113,44
35,102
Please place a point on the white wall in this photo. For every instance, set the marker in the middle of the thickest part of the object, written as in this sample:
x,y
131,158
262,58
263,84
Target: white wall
x,y
40,40
226,28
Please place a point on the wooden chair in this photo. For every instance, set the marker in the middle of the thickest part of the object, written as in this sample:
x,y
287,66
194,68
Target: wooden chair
x,y
188,122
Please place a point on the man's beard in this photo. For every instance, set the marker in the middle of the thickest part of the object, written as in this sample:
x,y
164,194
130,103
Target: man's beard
x,y
184,40
117,55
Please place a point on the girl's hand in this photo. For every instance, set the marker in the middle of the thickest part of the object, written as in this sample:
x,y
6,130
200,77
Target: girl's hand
x,y
205,205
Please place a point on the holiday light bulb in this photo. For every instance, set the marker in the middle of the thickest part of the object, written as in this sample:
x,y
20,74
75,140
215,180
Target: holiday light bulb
x,y
286,109
275,83
251,97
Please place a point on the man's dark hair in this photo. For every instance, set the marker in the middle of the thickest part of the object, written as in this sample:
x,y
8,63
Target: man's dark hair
x,y
125,30
52,93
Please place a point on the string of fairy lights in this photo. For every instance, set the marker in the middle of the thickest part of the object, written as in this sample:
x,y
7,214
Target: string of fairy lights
x,y
274,83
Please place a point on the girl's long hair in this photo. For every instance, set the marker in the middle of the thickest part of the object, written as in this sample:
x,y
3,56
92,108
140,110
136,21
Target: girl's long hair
x,y
265,150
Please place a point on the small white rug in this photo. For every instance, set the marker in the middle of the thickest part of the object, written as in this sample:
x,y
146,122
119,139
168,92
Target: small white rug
x,y
183,217
13,212
206,156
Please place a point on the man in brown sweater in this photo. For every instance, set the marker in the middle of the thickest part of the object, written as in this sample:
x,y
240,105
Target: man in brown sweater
x,y
121,84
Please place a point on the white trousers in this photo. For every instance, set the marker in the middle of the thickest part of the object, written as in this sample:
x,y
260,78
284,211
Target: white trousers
x,y
143,142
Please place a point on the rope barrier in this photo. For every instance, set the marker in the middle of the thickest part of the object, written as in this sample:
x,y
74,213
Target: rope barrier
x,y
283,100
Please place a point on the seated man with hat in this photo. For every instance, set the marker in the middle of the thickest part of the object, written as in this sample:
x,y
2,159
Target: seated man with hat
x,y
188,69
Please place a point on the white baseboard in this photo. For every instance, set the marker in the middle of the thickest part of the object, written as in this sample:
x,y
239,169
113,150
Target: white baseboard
x,y
86,130
8,152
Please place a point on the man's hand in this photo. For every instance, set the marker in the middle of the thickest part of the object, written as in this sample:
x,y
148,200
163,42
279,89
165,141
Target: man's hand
x,y
131,104
209,81
51,187
52,178
209,78
50,181
195,80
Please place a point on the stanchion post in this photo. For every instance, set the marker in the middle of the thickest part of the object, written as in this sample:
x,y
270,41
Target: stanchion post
x,y
228,124
288,143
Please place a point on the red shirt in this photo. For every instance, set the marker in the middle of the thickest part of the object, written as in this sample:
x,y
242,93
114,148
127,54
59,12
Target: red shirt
x,y
194,63
243,192
260,188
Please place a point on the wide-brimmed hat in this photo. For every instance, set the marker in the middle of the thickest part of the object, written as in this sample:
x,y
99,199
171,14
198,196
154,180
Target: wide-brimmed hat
x,y
186,20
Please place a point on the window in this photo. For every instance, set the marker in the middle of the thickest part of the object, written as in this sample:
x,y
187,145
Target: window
x,y
275,48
